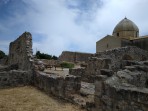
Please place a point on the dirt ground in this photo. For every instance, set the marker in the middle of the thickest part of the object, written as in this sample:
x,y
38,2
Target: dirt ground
x,y
31,99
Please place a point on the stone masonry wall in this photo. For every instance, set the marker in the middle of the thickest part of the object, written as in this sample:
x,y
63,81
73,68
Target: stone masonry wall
x,y
15,78
20,63
125,91
20,52
94,66
125,53
74,56
56,85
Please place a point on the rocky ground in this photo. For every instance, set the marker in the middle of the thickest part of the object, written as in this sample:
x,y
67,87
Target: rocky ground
x,y
30,99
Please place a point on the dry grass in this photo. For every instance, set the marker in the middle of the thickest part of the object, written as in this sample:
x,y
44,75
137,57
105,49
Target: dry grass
x,y
30,99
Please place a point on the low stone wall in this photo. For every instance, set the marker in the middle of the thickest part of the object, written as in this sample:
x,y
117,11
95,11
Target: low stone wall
x,y
124,53
74,56
15,78
125,91
56,85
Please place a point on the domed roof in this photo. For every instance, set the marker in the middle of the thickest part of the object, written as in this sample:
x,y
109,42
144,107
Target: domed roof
x,y
126,25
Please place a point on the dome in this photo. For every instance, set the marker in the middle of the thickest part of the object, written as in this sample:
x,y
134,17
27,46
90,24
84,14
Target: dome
x,y
125,29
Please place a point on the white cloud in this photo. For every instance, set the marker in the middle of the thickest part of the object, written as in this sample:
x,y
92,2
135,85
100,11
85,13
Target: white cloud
x,y
59,26
76,29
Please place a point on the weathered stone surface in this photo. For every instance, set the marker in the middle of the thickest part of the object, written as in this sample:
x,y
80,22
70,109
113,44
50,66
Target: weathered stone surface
x,y
20,63
74,56
125,53
95,64
20,52
125,91
59,86
15,78
77,72
39,65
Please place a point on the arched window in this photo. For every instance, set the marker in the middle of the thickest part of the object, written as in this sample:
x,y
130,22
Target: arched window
x,y
117,34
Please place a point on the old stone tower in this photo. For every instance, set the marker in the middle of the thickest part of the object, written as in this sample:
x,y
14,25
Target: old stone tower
x,y
125,33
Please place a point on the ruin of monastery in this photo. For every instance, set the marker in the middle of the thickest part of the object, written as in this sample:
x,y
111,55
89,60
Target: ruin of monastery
x,y
115,78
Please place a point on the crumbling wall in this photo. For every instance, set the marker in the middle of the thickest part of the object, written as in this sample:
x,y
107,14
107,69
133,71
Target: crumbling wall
x,y
20,52
94,66
14,78
125,53
56,85
125,91
74,56
19,69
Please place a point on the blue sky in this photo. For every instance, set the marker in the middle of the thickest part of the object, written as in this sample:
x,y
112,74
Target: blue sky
x,y
74,25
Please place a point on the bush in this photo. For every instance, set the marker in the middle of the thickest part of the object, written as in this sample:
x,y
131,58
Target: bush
x,y
67,65
45,56
2,54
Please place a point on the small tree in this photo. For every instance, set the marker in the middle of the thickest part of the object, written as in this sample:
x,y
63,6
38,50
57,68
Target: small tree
x,y
2,54
54,57
67,65
40,55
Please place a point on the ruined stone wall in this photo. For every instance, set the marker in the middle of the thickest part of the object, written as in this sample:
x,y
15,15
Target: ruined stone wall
x,y
124,53
20,52
140,42
53,84
94,66
74,56
125,91
15,78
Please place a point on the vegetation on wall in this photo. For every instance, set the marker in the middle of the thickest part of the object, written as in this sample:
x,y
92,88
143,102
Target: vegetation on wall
x,y
40,55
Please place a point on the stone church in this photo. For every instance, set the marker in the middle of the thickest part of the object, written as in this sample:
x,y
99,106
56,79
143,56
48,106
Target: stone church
x,y
126,33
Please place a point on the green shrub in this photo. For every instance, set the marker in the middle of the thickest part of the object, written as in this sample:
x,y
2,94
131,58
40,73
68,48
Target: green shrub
x,y
40,55
2,54
67,65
